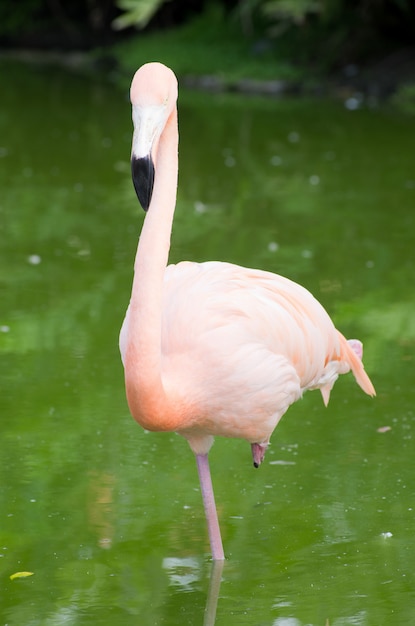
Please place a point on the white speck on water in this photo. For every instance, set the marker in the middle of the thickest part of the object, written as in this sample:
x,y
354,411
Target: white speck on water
x,y
286,621
200,207
293,137
383,429
281,604
230,161
273,246
307,254
84,252
386,535
314,180
370,264
34,259
282,462
276,160
4,329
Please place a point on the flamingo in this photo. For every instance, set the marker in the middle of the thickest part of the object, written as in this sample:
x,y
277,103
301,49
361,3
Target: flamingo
x,y
212,348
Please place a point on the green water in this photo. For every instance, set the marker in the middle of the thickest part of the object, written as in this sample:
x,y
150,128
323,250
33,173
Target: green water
x,y
109,518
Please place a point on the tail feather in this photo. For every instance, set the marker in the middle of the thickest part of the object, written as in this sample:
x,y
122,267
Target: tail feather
x,y
325,392
352,352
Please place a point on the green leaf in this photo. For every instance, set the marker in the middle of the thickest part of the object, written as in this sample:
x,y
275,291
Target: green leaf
x,y
136,13
21,575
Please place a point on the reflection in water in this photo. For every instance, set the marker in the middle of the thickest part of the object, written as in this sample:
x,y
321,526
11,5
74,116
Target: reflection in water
x,y
185,572
100,502
182,572
213,594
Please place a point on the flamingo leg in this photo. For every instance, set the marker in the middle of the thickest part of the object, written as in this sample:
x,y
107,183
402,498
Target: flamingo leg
x,y
210,507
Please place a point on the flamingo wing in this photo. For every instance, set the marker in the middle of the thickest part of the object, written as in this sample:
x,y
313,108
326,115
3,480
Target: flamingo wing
x,y
242,345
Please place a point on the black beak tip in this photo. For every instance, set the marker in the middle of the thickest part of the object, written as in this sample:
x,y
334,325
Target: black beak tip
x,y
142,171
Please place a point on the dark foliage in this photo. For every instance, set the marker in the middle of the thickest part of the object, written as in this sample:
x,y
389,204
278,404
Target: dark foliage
x,y
331,34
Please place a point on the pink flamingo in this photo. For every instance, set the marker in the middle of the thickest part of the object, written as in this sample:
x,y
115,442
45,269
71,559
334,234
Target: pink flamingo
x,y
213,348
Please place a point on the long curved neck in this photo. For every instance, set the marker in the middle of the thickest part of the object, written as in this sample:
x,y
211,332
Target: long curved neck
x,y
145,392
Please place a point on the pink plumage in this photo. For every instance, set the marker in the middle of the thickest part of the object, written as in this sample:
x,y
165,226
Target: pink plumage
x,y
213,348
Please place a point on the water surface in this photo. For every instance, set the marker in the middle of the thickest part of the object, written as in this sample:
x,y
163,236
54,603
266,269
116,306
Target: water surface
x,y
109,518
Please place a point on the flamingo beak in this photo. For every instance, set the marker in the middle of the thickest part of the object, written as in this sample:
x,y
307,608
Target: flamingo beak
x,y
148,122
142,171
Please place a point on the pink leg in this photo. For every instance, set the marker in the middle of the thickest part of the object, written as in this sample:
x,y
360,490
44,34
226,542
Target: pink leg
x,y
210,507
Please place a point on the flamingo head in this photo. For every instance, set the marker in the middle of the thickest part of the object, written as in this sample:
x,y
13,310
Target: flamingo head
x,y
153,97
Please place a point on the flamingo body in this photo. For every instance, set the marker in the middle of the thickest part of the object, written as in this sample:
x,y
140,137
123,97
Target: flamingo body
x,y
239,346
213,348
